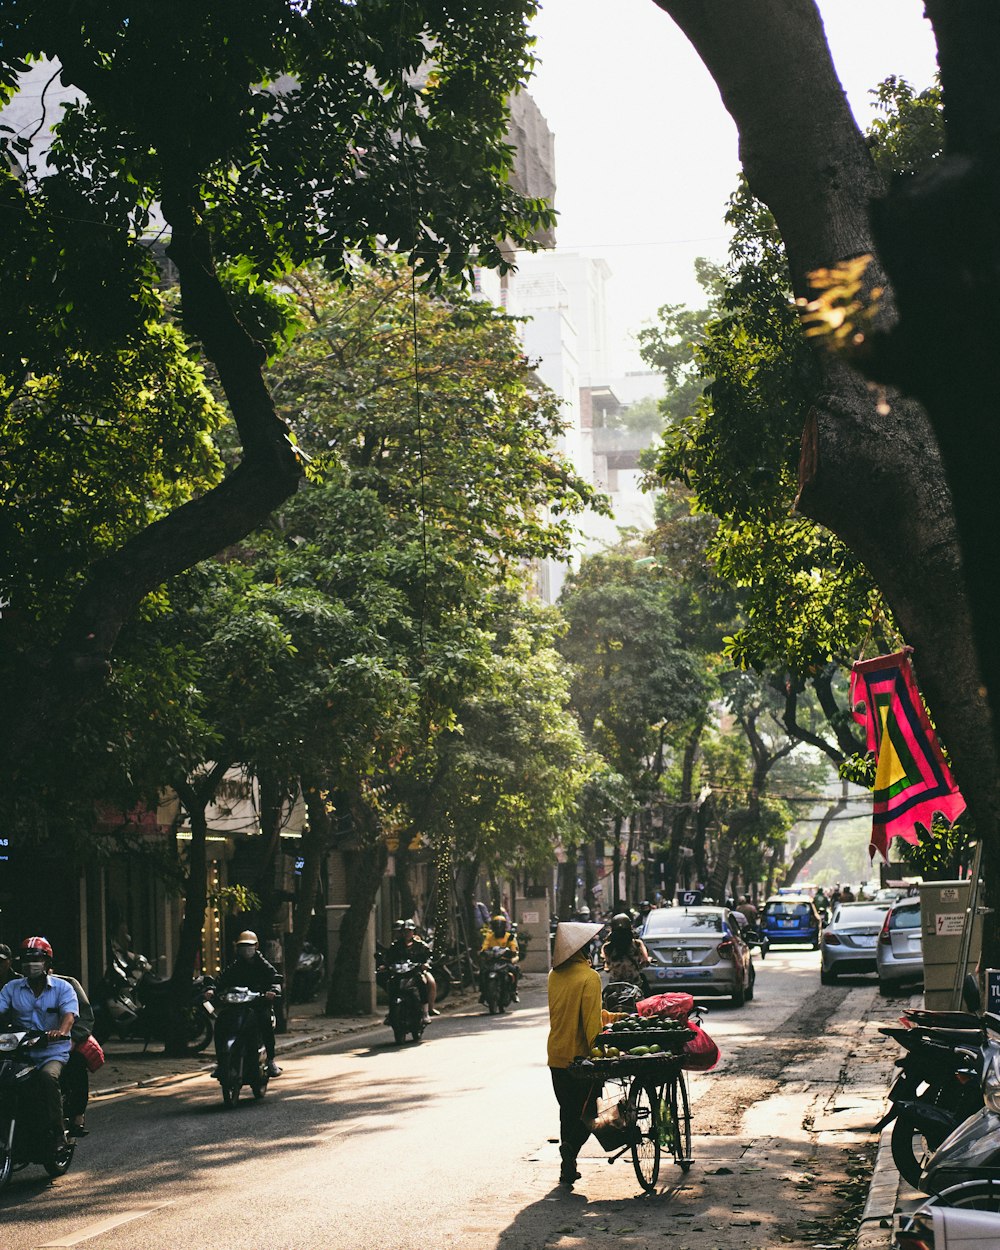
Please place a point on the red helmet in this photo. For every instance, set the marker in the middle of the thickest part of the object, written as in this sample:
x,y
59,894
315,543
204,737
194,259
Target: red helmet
x,y
36,945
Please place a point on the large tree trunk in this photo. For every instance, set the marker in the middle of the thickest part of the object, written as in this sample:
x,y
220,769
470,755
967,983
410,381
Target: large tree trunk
x,y
681,823
874,472
315,842
267,475
195,796
365,870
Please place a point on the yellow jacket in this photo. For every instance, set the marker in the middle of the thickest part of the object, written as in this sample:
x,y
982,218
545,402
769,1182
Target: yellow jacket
x,y
574,1011
509,941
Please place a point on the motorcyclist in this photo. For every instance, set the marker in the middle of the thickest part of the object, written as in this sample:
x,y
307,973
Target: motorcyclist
x,y
36,1000
75,1077
821,902
500,936
407,946
251,971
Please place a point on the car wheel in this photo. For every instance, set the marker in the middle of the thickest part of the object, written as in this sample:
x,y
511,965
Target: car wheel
x,y
750,985
740,997
827,978
885,989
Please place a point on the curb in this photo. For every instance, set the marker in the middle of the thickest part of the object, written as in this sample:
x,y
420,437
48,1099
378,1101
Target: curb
x,y
875,1231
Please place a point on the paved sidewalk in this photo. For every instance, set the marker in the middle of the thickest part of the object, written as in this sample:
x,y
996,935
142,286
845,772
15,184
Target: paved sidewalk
x,y
128,1067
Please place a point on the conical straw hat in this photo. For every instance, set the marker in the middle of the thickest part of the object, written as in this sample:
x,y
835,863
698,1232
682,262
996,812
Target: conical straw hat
x,y
572,936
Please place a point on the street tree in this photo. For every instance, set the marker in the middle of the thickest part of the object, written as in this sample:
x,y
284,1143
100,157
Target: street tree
x,y
902,475
248,140
432,481
634,681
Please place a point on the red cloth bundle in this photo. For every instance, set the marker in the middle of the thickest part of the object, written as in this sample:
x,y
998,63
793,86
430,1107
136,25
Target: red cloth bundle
x,y
92,1051
676,1006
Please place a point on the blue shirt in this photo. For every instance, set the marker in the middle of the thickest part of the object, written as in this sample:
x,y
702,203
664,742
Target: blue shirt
x,y
19,1002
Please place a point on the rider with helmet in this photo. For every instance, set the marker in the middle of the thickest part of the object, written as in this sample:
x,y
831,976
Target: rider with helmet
x,y
37,1001
499,935
623,954
406,946
250,970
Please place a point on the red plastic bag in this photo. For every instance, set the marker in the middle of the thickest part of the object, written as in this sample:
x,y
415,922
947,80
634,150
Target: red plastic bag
x,y
700,1054
92,1051
676,1006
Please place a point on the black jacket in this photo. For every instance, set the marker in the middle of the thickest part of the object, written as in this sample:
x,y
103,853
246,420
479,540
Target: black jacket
x,y
253,974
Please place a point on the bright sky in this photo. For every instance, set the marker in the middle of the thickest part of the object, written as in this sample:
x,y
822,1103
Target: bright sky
x,y
645,152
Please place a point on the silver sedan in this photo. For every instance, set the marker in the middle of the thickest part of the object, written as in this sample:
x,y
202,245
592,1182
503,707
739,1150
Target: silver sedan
x,y
698,949
850,940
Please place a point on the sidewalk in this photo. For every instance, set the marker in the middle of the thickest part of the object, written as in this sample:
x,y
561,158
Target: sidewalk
x,y
888,1195
129,1068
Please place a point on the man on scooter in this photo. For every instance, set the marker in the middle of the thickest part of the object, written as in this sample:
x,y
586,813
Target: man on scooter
x,y
37,1001
251,971
407,946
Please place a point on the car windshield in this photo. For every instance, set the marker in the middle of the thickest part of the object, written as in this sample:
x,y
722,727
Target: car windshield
x,y
861,913
785,907
677,920
905,918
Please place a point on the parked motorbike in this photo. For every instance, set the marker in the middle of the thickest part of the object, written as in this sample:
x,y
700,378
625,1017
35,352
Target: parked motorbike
x,y
964,1171
939,1085
499,980
406,1009
310,970
133,1005
24,1133
239,1047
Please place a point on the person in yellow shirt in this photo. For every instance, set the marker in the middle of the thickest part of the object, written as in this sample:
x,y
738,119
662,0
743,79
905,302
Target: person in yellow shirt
x,y
499,935
574,1022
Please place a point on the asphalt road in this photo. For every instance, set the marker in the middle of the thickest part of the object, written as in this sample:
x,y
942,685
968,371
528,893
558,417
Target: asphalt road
x,y
449,1143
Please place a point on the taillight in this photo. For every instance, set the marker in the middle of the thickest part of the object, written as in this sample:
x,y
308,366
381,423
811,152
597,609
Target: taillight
x,y
831,939
727,948
883,937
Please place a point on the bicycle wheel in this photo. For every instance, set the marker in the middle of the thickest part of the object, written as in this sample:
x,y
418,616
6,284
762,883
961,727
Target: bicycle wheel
x,y
643,1119
680,1120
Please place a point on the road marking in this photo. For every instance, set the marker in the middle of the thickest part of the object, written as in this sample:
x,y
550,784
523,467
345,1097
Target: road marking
x,y
105,1226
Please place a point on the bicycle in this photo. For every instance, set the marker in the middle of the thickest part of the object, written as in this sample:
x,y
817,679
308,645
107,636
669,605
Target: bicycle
x,y
648,1112
657,1117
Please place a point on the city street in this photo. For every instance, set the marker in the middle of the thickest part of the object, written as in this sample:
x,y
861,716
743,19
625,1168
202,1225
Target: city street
x,y
450,1143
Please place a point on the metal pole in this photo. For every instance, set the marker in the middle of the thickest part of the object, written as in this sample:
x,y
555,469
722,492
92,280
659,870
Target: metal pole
x,y
962,966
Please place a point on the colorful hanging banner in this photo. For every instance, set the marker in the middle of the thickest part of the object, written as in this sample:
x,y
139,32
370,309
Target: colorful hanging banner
x,y
912,780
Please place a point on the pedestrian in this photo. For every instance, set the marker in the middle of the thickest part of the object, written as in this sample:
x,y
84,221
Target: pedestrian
x,y
749,909
574,1022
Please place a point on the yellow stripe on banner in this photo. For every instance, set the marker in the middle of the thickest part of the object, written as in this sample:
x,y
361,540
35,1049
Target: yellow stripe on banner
x,y
889,769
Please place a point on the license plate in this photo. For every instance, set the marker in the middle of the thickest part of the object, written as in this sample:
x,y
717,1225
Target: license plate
x,y
680,957
787,924
865,939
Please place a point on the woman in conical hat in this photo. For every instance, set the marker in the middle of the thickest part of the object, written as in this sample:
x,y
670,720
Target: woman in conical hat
x,y
574,1022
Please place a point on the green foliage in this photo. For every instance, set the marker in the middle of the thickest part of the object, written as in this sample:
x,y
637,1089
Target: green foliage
x,y
940,852
95,450
909,133
631,674
511,775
